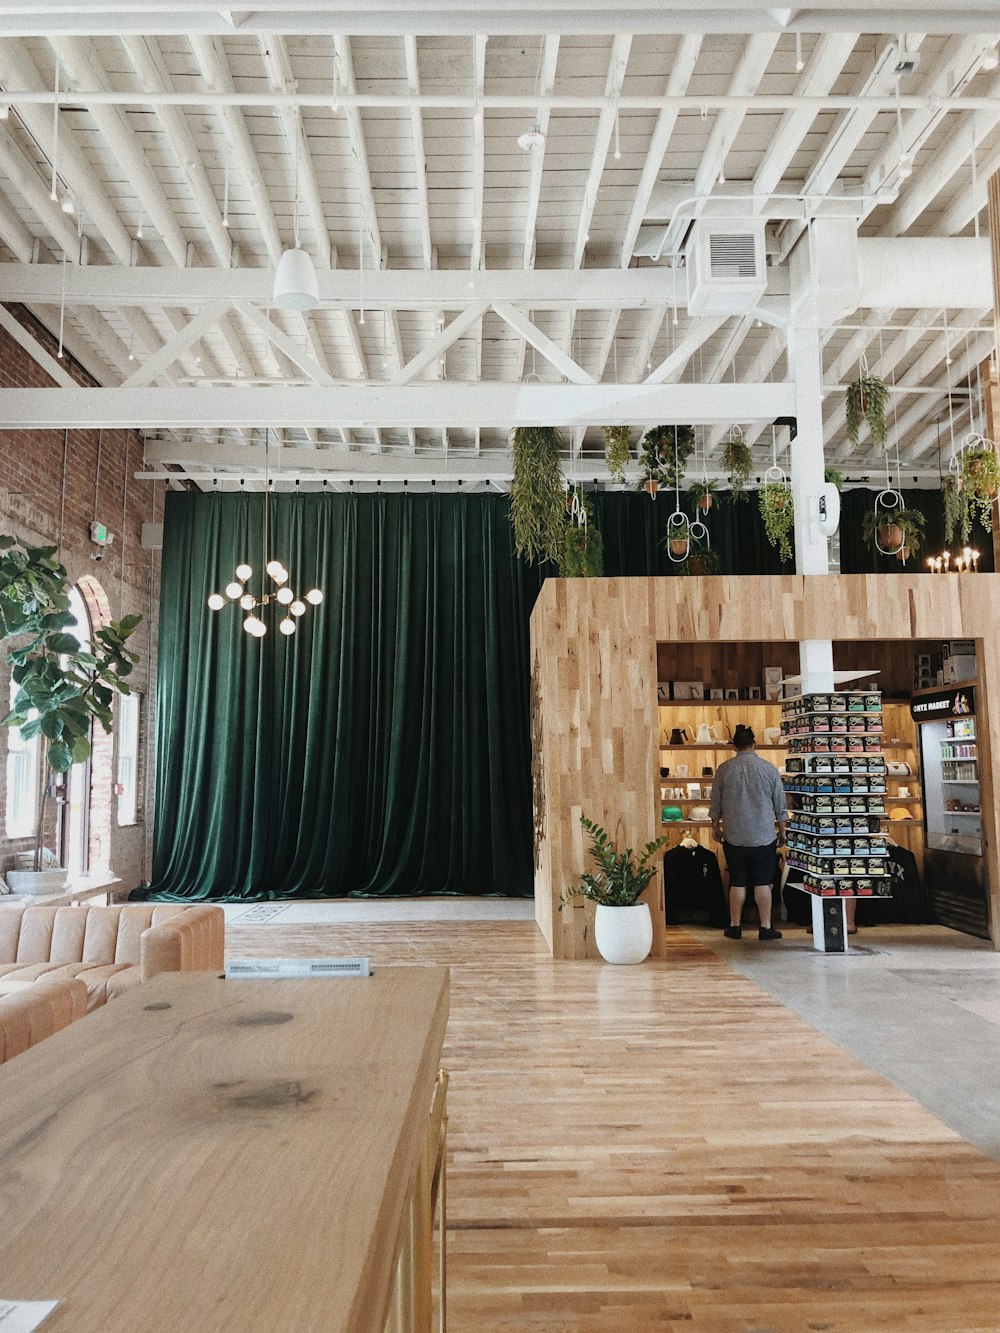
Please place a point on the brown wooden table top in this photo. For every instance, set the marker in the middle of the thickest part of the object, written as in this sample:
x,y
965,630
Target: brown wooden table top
x,y
211,1155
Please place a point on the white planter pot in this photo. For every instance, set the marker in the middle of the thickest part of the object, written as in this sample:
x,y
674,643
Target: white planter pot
x,y
624,934
35,881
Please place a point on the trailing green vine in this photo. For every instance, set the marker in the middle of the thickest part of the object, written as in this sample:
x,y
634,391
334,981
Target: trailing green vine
x,y
778,512
957,517
617,451
537,493
581,550
738,463
980,481
867,398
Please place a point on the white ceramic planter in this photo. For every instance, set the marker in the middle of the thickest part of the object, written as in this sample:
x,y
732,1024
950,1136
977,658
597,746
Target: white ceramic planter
x,y
624,934
35,881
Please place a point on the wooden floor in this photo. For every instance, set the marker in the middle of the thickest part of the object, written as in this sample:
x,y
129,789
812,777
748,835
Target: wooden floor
x,y
666,1147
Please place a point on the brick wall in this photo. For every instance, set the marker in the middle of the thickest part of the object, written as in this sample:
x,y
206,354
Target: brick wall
x,y
52,484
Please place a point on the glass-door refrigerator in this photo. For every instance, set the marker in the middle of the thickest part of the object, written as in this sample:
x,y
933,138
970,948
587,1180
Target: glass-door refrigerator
x,y
954,870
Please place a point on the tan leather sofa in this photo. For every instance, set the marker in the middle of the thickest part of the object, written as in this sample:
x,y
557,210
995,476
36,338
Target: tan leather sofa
x,y
110,949
32,1013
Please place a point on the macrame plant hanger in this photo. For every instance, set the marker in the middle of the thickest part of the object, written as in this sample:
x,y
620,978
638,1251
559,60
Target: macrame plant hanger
x,y
775,475
889,500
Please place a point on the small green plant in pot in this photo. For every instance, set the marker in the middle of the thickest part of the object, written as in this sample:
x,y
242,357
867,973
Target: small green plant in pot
x,y
623,928
678,538
702,494
778,512
617,451
738,463
980,481
62,688
898,532
867,398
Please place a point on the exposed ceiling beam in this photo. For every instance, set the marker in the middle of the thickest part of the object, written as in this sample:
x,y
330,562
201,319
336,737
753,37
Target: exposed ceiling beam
x,y
420,405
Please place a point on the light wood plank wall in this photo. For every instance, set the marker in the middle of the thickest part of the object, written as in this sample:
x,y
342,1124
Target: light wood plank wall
x,y
596,720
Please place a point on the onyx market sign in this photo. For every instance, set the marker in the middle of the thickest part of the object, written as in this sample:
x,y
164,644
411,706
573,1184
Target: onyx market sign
x,y
944,703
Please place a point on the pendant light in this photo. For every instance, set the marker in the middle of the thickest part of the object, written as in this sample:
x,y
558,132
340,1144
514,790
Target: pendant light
x,y
280,593
295,284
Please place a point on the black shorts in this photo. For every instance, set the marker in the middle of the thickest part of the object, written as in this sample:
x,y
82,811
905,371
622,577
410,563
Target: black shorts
x,y
750,867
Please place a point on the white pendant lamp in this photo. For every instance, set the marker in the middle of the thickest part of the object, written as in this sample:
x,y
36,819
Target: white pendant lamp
x,y
295,285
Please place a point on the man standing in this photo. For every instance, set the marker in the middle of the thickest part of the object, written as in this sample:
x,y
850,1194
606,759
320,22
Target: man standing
x,y
747,800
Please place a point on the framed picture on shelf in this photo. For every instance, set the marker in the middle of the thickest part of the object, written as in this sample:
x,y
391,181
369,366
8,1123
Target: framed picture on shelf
x,y
772,682
689,689
663,693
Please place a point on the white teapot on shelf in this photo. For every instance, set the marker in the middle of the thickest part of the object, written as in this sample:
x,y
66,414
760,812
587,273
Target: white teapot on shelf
x,y
706,734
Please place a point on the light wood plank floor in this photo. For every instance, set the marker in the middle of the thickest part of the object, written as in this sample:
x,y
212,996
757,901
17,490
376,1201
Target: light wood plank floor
x,y
666,1147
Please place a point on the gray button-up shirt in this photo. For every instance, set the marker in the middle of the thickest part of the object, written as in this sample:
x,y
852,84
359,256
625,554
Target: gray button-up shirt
x,y
748,794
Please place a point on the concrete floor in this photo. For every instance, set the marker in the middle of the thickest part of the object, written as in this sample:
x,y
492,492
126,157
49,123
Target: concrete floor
x,y
920,1005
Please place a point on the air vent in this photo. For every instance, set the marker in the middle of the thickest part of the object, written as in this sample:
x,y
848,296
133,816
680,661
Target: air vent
x,y
726,267
267,968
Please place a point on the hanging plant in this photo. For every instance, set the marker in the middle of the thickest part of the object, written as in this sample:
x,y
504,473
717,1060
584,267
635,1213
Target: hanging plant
x,y
537,493
678,538
738,463
657,455
834,478
702,494
617,451
980,481
778,512
703,560
898,532
581,549
867,398
957,515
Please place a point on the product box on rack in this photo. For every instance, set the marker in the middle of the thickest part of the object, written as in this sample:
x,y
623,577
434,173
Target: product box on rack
x,y
958,648
958,668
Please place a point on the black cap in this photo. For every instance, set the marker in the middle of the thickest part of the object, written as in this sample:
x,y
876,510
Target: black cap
x,y
743,736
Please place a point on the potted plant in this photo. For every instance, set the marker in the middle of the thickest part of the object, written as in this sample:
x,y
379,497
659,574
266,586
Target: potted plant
x,y
62,688
581,551
834,478
702,494
702,560
957,514
537,493
678,538
738,463
898,532
866,401
980,481
778,512
660,446
617,452
623,929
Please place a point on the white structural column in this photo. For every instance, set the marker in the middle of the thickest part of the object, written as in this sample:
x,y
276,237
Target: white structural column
x,y
805,364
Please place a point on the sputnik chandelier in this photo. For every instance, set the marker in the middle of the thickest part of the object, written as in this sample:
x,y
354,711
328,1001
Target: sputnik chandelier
x,y
280,593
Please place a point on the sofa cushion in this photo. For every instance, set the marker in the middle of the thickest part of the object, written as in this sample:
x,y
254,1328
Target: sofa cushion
x,y
34,1012
103,981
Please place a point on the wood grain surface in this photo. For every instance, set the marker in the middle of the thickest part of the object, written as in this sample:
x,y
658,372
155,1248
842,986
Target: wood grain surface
x,y
667,1148
594,661
219,1155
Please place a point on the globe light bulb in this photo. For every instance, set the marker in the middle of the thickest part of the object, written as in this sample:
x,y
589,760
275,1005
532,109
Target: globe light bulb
x,y
286,626
314,596
285,595
234,590
243,572
281,576
274,567
216,602
248,602
298,608
255,626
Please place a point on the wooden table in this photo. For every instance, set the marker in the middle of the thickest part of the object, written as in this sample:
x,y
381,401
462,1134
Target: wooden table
x,y
210,1155
83,886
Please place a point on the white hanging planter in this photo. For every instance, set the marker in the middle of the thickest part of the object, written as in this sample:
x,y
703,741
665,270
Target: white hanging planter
x,y
623,934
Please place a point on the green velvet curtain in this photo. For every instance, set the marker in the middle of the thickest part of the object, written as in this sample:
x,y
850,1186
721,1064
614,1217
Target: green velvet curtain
x,y
384,748
381,750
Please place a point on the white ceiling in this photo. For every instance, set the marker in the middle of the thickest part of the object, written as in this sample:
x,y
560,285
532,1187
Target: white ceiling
x,y
467,283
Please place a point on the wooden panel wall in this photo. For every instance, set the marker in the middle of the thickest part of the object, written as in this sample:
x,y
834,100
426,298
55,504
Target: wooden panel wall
x,y
595,662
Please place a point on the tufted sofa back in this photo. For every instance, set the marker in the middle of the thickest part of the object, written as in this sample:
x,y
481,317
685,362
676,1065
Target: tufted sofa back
x,y
102,935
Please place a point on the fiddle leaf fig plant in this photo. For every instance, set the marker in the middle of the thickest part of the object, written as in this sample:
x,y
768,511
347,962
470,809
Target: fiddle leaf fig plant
x,y
620,877
778,513
63,688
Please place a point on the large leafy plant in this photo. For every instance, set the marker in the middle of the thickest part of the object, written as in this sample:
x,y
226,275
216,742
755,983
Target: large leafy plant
x,y
898,532
867,399
617,451
620,878
660,446
581,551
980,482
62,687
778,512
537,493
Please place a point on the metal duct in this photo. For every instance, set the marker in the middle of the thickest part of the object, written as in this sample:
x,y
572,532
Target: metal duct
x,y
939,273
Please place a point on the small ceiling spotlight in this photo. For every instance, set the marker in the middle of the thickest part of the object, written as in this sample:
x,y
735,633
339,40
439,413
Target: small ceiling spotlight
x,y
991,60
904,167
531,139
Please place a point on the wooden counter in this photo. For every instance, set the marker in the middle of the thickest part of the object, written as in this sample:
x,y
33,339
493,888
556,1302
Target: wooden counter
x,y
219,1155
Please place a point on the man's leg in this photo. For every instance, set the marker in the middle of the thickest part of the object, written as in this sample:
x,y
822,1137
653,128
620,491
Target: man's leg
x,y
762,897
737,897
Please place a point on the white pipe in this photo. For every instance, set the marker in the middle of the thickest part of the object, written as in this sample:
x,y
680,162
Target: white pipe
x,y
924,272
